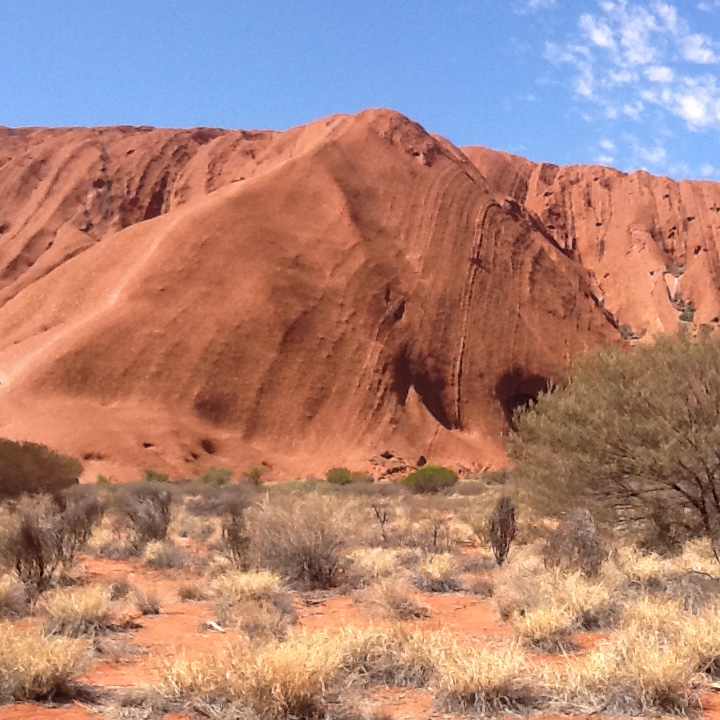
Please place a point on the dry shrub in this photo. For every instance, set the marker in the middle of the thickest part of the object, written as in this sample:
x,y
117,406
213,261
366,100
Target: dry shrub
x,y
575,545
235,543
163,555
41,538
255,585
32,546
301,538
34,666
438,573
78,611
147,603
259,619
148,510
13,600
192,592
501,529
391,600
481,587
80,513
487,681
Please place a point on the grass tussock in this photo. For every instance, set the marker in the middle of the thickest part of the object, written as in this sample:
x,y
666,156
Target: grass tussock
x,y
145,601
486,681
278,680
547,629
78,611
373,563
255,602
163,555
438,573
390,599
34,666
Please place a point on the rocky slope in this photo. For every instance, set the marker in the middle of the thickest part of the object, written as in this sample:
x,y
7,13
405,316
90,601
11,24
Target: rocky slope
x,y
177,299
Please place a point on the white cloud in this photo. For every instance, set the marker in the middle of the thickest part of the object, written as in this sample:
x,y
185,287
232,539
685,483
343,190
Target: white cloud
x,y
604,159
598,32
647,62
698,49
707,170
659,73
653,156
640,54
522,7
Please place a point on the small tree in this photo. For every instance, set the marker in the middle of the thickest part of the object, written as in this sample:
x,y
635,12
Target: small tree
x,y
631,435
501,529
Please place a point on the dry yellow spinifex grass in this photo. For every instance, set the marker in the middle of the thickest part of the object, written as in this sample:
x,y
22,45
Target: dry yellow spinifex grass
x,y
33,665
77,611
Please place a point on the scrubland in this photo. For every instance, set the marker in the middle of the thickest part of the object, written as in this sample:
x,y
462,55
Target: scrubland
x,y
314,599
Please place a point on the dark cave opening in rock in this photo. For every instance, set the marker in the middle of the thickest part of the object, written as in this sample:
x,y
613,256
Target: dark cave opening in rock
x,y
516,389
429,385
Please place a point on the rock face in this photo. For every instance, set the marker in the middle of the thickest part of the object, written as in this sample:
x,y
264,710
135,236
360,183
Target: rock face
x,y
651,244
175,299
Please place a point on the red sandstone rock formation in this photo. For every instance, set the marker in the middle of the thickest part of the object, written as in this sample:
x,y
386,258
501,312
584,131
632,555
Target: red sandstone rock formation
x,y
176,299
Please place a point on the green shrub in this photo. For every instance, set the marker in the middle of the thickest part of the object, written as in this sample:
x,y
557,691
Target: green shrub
x,y
150,475
339,476
430,479
216,476
102,480
27,467
688,314
254,474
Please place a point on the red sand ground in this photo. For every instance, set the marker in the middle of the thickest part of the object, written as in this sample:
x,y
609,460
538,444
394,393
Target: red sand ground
x,y
182,298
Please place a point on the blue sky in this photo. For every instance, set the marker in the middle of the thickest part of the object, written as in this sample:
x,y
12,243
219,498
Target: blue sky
x,y
625,83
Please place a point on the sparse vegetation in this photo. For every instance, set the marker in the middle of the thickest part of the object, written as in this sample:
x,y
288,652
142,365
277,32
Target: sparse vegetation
x,y
154,476
264,559
216,476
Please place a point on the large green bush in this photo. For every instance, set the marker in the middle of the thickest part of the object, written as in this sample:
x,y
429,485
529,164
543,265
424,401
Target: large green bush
x,y
27,467
634,435
430,479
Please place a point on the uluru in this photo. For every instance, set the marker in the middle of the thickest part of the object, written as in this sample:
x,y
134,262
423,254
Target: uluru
x,y
315,297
